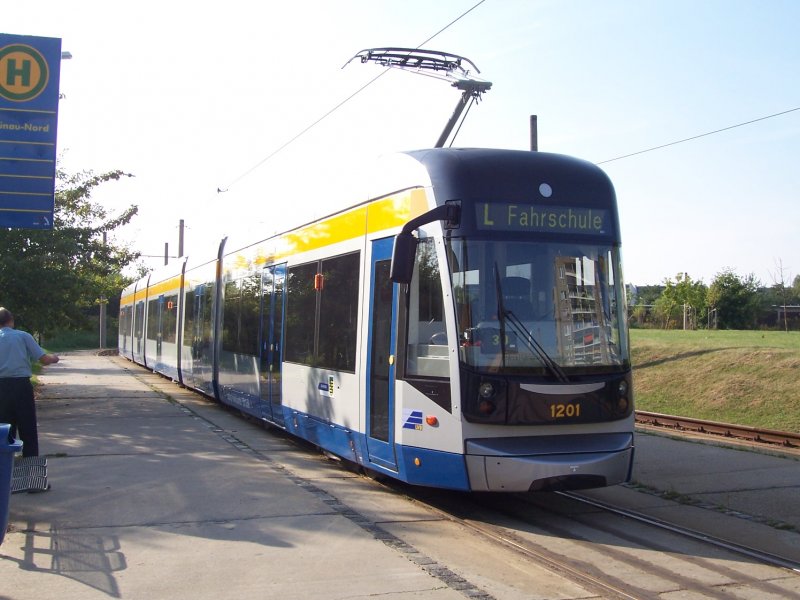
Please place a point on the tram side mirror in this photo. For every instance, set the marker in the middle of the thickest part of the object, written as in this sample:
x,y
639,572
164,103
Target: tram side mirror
x,y
403,255
405,244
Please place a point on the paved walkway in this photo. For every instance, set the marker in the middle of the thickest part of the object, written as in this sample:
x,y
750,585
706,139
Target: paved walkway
x,y
148,501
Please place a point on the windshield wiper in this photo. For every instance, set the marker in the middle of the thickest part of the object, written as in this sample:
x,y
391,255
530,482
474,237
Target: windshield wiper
x,y
536,347
501,313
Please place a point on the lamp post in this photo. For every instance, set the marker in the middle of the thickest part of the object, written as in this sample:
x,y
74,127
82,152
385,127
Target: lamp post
x,y
103,302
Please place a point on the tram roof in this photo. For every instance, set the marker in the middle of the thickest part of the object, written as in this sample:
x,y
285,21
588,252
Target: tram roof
x,y
460,173
491,173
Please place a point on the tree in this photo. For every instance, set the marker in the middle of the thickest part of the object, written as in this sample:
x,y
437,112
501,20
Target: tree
x,y
681,298
641,300
735,298
48,278
780,278
647,294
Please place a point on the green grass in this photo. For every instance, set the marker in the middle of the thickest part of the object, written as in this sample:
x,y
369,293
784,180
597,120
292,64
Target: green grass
x,y
744,377
63,341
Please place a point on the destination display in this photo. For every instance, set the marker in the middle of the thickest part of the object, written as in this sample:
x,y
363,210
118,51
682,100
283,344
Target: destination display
x,y
29,77
519,217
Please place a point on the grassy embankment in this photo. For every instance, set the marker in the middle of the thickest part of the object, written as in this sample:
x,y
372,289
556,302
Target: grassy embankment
x,y
744,377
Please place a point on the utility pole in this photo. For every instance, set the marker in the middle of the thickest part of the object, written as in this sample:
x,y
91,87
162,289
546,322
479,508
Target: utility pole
x,y
166,253
534,134
180,238
103,302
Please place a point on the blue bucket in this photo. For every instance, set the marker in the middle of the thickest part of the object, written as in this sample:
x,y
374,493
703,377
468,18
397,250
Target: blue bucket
x,y
7,452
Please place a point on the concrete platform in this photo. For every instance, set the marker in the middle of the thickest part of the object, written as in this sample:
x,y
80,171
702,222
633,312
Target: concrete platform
x,y
149,502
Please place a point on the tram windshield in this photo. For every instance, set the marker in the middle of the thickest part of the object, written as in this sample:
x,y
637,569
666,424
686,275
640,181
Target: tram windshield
x,y
539,308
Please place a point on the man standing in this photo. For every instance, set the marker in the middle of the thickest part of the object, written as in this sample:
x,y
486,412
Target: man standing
x,y
17,350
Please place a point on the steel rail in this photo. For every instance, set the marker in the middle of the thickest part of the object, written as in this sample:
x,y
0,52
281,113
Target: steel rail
x,y
764,557
505,537
753,434
553,562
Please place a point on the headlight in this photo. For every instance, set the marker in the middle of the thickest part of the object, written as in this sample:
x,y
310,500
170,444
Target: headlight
x,y
486,407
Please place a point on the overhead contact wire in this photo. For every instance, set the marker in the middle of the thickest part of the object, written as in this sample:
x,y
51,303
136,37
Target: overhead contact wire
x,y
695,137
338,106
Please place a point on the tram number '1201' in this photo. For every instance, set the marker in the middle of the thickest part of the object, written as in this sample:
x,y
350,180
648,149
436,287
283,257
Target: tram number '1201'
x,y
565,411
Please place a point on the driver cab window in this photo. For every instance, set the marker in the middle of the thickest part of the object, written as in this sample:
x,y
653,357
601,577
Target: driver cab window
x,y
427,337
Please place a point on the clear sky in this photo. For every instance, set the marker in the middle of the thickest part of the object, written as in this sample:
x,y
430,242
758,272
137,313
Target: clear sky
x,y
189,96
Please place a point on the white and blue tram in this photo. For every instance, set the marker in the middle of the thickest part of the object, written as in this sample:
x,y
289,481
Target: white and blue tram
x,y
464,327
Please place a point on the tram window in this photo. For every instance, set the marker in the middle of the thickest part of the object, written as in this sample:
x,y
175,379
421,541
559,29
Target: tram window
x,y
338,313
152,320
125,321
249,317
206,315
169,319
427,354
431,305
322,312
230,317
188,317
300,314
139,319
240,318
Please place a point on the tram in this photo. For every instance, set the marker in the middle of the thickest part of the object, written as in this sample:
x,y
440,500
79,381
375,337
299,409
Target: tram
x,y
464,326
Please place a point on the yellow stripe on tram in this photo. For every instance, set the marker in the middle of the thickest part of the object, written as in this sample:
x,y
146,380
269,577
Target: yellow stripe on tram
x,y
379,215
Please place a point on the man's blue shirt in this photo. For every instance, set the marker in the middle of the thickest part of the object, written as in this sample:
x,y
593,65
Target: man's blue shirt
x,y
17,350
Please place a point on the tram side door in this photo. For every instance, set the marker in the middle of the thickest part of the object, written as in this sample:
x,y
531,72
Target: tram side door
x,y
202,365
159,330
381,358
273,282
193,334
139,328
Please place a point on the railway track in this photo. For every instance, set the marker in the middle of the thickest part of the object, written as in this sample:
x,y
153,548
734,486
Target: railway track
x,y
560,530
766,558
612,551
754,435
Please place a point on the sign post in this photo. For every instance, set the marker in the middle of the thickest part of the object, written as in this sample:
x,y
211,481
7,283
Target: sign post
x,y
29,77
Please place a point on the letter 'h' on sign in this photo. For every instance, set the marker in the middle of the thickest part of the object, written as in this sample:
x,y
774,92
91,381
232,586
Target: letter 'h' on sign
x,y
13,73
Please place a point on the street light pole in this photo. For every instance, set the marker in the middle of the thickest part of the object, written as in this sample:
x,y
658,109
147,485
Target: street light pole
x,y
103,302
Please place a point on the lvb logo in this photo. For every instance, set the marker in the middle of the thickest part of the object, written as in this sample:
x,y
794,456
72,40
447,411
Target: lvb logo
x,y
23,73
